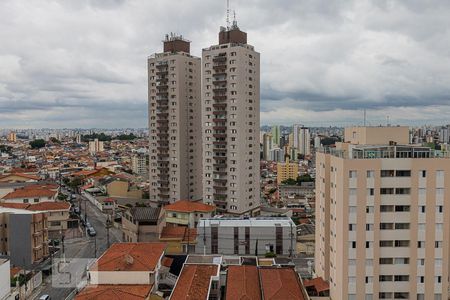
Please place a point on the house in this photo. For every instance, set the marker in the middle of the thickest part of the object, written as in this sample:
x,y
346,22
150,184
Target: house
x,y
179,239
128,263
187,213
141,224
119,187
198,281
248,236
32,194
58,216
18,177
115,292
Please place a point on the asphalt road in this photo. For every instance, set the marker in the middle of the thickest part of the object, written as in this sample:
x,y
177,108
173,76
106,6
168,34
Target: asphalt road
x,y
86,247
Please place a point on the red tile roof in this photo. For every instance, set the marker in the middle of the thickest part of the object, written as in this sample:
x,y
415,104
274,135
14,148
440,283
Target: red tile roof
x,y
193,282
189,206
114,292
47,206
130,257
15,205
318,283
280,284
243,283
30,193
180,233
27,176
167,262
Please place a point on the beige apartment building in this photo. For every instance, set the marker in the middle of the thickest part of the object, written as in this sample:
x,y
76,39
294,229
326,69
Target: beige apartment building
x,y
174,122
382,217
230,120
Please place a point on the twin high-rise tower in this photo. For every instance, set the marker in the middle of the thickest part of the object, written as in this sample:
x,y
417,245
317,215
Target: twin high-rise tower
x,y
204,123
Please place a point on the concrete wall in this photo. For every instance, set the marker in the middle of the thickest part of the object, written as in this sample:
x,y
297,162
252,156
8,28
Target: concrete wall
x,y
20,244
5,281
121,277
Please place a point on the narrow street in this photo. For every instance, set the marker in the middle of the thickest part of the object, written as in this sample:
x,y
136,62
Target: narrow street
x,y
85,247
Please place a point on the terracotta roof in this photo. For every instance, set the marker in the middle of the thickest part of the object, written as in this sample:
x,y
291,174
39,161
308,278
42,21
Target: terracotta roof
x,y
193,282
180,233
243,283
45,186
167,262
115,292
14,271
20,175
85,172
189,206
15,205
130,257
30,193
280,284
46,206
318,283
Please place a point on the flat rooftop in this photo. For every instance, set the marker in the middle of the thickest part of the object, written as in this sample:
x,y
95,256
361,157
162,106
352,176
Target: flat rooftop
x,y
247,222
386,151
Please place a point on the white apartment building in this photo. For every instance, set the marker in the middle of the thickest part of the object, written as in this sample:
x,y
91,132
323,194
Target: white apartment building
x,y
383,216
230,123
95,146
139,164
175,165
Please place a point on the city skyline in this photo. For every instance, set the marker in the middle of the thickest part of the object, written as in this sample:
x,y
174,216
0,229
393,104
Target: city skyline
x,y
70,62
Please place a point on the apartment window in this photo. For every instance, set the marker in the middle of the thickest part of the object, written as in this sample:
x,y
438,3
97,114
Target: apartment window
x,y
385,278
369,262
369,209
386,226
369,279
420,297
401,208
439,209
420,279
403,173
422,208
401,243
423,173
386,191
352,209
352,174
401,295
401,278
369,244
386,260
352,262
369,227
420,244
437,279
438,244
371,191
385,295
386,208
401,226
387,173
352,244
351,227
438,262
386,243
402,191
370,174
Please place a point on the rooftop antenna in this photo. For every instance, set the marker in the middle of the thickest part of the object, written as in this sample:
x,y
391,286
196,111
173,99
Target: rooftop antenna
x,y
234,26
228,14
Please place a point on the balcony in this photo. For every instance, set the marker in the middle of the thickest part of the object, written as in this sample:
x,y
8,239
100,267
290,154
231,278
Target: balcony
x,y
219,106
219,196
162,79
219,97
219,142
161,64
220,69
162,155
220,165
220,59
162,134
220,172
162,72
220,135
220,89
220,188
221,113
162,93
223,179
220,127
163,196
219,81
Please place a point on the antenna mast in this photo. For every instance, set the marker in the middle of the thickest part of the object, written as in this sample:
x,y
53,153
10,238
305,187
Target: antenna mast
x,y
228,14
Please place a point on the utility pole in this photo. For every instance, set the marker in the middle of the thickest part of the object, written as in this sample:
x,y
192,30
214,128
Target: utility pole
x,y
108,225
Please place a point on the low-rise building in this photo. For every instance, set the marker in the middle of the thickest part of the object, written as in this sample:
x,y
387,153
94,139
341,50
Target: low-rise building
x,y
32,194
5,278
141,224
187,213
23,236
58,216
249,236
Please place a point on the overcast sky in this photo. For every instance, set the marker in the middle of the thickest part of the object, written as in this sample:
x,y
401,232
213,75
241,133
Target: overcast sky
x,y
82,63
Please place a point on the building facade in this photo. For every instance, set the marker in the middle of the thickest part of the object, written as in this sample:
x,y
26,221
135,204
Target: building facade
x,y
267,145
139,164
382,215
252,236
230,120
95,146
174,123
287,170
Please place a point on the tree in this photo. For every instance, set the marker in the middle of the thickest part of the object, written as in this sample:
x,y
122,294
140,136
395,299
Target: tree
x,y
37,144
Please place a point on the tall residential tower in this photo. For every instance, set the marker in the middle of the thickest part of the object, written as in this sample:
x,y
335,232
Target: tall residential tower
x,y
174,122
230,121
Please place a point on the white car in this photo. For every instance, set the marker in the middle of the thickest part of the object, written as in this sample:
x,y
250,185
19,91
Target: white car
x,y
44,297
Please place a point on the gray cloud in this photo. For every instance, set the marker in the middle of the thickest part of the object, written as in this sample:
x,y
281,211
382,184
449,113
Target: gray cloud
x,y
82,63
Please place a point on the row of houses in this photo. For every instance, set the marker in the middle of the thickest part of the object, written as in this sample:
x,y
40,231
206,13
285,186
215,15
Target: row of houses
x,y
147,271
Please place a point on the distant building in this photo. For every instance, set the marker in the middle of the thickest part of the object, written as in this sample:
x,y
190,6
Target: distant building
x,y
139,164
252,236
277,155
12,137
267,145
95,147
276,135
287,170
304,141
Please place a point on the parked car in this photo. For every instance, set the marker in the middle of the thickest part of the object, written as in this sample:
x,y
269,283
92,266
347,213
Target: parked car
x,y
91,231
44,297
